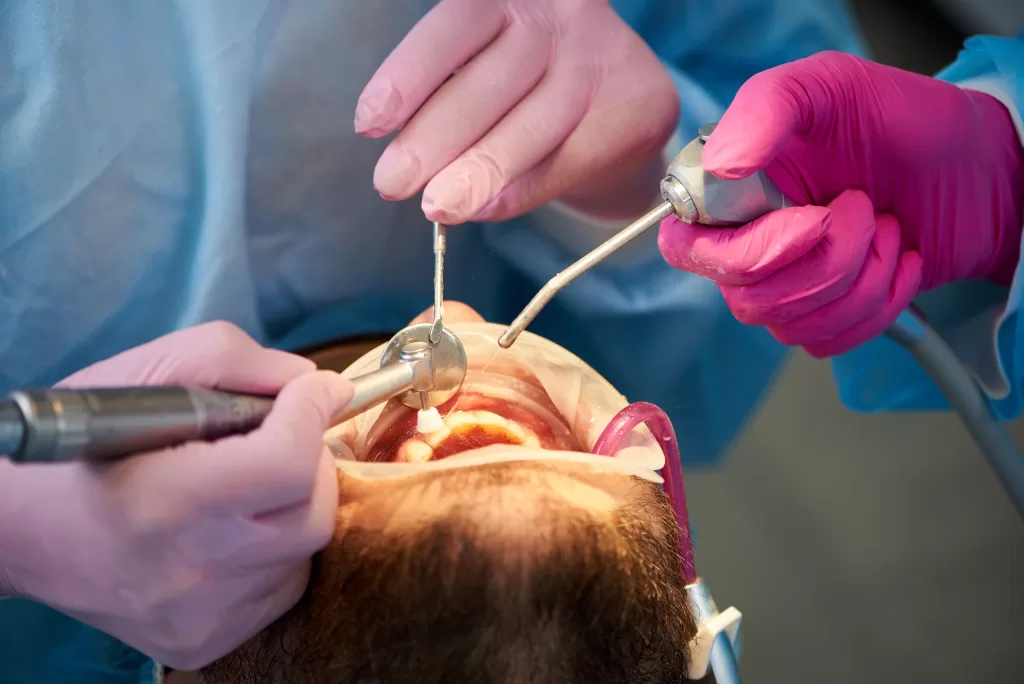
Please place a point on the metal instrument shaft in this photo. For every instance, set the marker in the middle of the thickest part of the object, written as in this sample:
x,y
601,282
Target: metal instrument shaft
x,y
596,256
440,246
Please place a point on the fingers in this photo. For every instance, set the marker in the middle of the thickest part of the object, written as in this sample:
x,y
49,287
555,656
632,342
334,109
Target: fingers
x,y
302,530
216,354
643,113
822,275
746,255
454,312
869,293
271,468
771,107
905,285
445,39
521,140
476,98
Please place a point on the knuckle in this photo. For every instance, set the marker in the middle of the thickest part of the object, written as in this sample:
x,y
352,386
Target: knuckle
x,y
490,167
223,339
835,58
740,305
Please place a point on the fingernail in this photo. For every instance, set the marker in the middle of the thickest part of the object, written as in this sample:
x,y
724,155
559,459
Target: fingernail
x,y
449,202
396,170
376,107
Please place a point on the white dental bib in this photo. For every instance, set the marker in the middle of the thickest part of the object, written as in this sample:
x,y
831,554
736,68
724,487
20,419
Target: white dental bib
x,y
585,400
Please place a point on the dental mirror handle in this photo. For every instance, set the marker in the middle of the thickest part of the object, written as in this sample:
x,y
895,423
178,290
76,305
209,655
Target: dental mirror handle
x,y
440,247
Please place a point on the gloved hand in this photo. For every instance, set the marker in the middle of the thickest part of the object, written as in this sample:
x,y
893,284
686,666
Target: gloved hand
x,y
184,553
503,105
914,183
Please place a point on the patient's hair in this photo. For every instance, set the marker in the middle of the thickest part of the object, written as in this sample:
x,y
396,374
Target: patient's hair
x,y
495,590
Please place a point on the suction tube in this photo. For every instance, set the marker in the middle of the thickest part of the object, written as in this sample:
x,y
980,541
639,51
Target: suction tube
x,y
624,422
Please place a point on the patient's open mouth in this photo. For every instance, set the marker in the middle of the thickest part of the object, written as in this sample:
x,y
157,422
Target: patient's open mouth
x,y
491,409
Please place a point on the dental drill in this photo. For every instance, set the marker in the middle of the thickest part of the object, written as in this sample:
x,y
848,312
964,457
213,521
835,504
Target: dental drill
x,y
689,192
696,196
108,424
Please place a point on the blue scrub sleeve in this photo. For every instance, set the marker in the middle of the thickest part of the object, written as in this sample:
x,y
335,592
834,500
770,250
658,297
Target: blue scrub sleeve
x,y
657,333
979,320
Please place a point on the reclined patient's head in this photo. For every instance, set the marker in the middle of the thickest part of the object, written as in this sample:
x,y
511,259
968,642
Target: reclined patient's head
x,y
507,573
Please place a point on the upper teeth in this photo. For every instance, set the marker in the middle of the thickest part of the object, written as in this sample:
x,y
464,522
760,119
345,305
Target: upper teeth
x,y
421,449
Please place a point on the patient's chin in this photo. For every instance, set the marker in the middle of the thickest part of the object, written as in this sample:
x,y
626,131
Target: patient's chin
x,y
492,410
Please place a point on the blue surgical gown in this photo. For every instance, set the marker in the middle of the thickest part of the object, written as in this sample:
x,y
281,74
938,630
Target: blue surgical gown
x,y
170,162
979,320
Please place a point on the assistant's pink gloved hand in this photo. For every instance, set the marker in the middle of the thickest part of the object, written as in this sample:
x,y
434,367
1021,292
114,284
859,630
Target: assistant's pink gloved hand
x,y
913,183
184,553
504,105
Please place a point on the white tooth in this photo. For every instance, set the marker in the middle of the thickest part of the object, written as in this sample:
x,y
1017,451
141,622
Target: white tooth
x,y
488,418
415,451
532,442
436,437
459,418
516,431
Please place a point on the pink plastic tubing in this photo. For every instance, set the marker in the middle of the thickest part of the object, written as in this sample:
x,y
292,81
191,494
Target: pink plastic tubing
x,y
624,422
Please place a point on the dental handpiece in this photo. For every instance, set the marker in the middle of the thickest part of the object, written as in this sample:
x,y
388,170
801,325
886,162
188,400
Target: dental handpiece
x,y
112,423
689,192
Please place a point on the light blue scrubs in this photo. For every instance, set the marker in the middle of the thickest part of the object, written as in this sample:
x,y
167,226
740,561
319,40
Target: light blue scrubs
x,y
165,163
979,320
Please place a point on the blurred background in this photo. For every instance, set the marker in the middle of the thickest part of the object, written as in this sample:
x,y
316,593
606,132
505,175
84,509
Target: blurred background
x,y
868,548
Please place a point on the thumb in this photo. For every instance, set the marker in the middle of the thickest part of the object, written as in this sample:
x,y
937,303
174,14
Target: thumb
x,y
769,109
271,468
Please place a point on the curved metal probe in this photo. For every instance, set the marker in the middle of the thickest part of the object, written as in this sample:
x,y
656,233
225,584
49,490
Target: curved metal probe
x,y
596,256
965,396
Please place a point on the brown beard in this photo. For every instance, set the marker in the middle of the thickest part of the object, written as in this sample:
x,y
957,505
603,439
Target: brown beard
x,y
470,597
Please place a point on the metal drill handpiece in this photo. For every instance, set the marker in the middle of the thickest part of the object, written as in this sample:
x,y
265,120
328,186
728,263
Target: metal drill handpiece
x,y
448,359
109,423
596,256
409,371
700,197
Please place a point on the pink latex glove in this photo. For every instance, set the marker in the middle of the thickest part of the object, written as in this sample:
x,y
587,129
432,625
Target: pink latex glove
x,y
914,183
184,553
504,105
